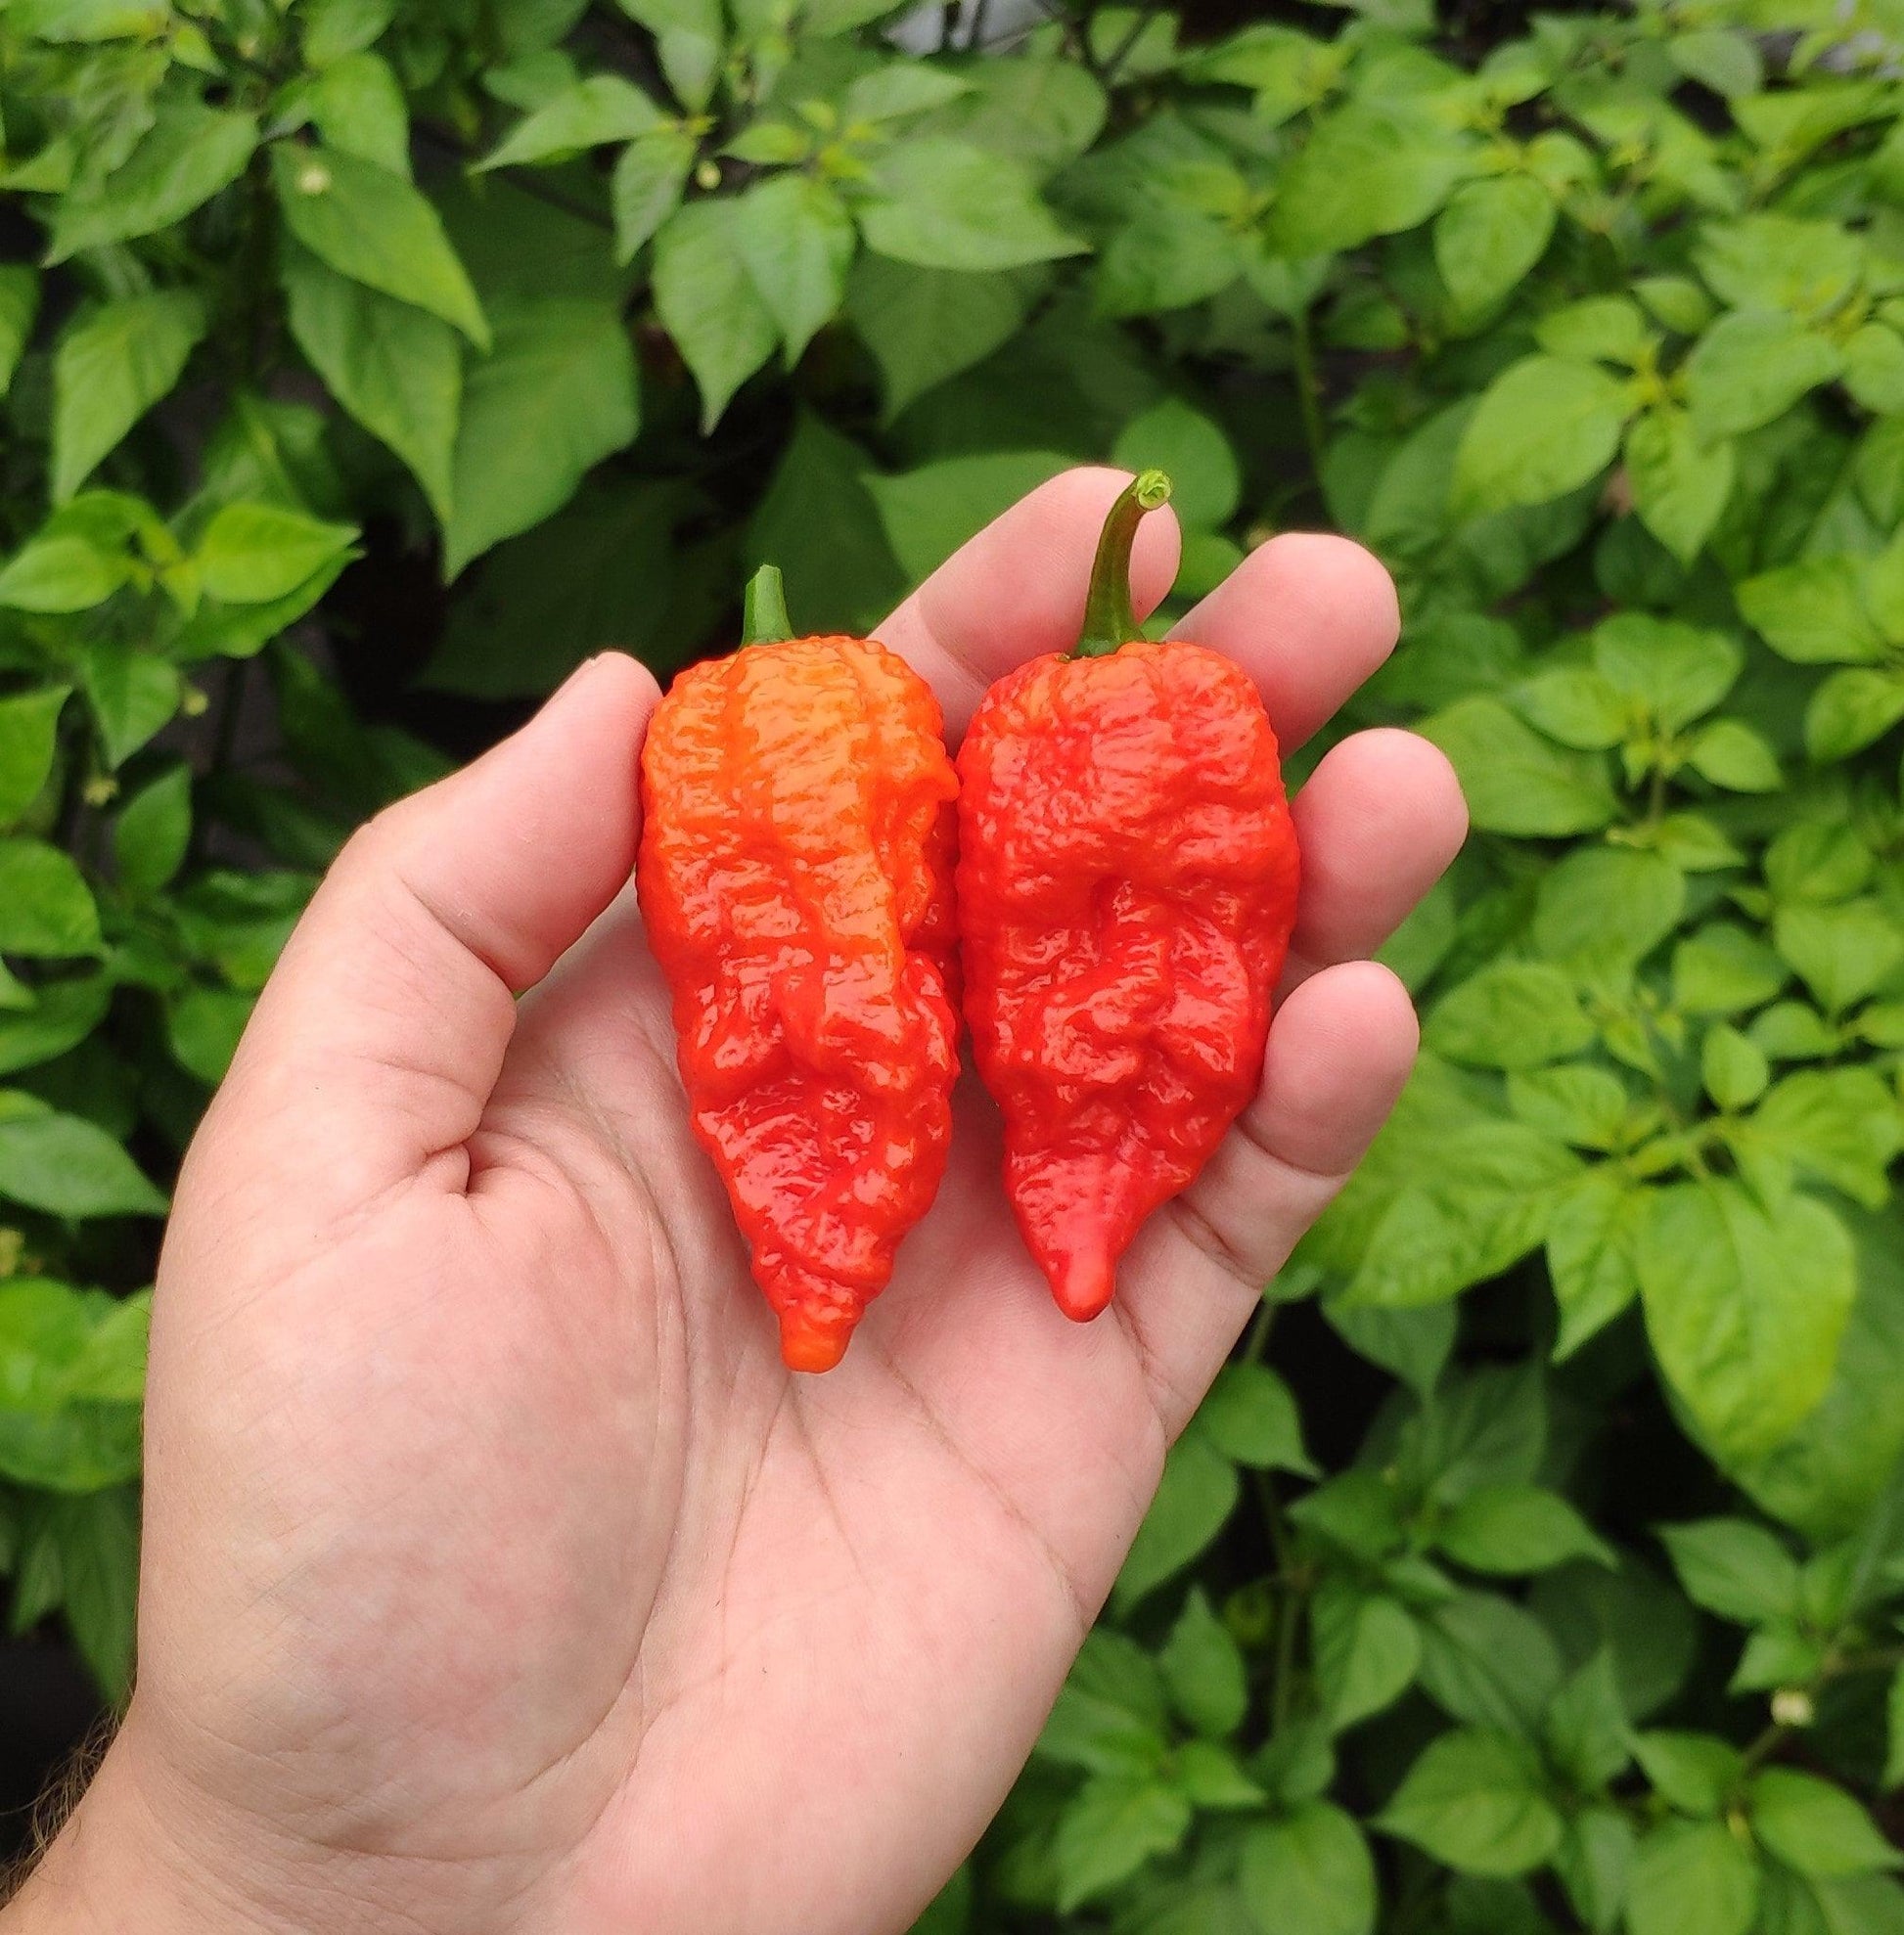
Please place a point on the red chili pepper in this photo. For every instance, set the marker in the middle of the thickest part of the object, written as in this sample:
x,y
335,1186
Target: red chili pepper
x,y
1127,884
795,879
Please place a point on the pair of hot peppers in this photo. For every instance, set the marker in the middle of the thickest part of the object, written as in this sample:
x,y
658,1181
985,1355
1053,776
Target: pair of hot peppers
x,y
1111,871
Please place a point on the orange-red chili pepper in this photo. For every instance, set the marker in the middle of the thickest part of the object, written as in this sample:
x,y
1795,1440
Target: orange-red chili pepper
x,y
795,879
1127,882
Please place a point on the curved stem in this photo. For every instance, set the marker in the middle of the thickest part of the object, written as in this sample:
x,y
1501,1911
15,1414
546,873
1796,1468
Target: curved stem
x,y
1107,618
765,620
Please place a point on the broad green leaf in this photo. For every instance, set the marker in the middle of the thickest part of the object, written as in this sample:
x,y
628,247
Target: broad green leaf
x,y
1678,671
554,396
374,228
1607,908
394,368
46,908
1874,369
690,37
187,156
19,299
1680,484
1171,436
649,181
942,204
94,1541
1110,1830
29,726
334,28
1842,953
60,572
1603,328
1488,236
55,1432
1722,969
202,1030
1734,1568
1692,1874
1203,1668
153,831
1195,1498
1366,170
1752,365
1720,58
254,552
1490,1662
133,695
1745,1310
1840,1125
1735,1070
928,512
1574,706
1476,1801
901,88
1590,1255
1584,1106
1678,301
1811,613
1250,1415
357,104
603,109
1893,1777
112,364
1769,261
1110,1716
1046,112
1815,1828
1210,1778
922,326
1366,1650
1585,1728
1543,427
1309,1873
1732,755
1850,710
1593,1862
1515,780
69,1167
796,240
1815,859
1512,1014
709,302
62,1016
1696,1773
1517,1529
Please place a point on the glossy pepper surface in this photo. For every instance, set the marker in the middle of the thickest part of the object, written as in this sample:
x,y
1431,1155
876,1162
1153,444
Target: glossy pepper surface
x,y
1127,882
795,880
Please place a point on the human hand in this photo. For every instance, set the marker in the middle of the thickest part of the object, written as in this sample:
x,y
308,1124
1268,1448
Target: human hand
x,y
497,1576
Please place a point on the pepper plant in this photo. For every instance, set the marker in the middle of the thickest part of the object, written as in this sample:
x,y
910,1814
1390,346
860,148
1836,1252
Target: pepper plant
x,y
1538,1564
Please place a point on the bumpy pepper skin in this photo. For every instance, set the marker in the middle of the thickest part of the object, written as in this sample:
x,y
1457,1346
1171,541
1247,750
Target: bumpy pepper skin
x,y
795,880
1127,882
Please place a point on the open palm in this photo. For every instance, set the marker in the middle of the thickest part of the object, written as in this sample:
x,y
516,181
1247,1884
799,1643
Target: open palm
x,y
497,1575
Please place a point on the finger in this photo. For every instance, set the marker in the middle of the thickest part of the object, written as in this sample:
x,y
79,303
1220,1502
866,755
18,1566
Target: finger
x,y
1339,1053
1018,588
380,1035
1309,617
1378,824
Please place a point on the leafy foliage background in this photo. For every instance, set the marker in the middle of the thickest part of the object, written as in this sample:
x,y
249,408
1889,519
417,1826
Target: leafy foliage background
x,y
1539,1563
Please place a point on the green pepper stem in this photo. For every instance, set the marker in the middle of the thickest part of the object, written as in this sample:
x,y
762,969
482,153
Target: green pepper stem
x,y
764,620
1107,618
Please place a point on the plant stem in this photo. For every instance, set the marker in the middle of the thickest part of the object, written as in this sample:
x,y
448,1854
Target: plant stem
x,y
1308,398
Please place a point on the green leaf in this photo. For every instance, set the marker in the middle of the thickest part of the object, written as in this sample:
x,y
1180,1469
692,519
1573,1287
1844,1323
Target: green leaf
x,y
1203,1668
357,104
60,572
1679,672
153,831
1171,436
46,908
1770,261
1752,365
1489,235
1606,907
334,28
1604,328
19,299
1816,859
1840,1125
603,109
1594,1861
1490,1662
1543,427
1874,369
1309,1873
1366,1648
1680,484
1209,1777
1734,1568
67,1166
65,1423
1114,1824
1851,710
185,158
796,240
1476,1801
692,42
113,362
1517,1529
63,1014
254,552
942,204
1731,754
554,397
928,512
709,302
203,1026
1692,1874
1250,1415
373,227
1893,1777
1725,62
1574,706
1110,1716
1815,1828
1195,1498
1586,1727
96,1541
1366,170
922,326
392,367
1735,1070
1590,1255
1512,1014
1693,1771
132,695
650,178
1515,780
899,89
29,724
1745,1310
1722,969
1841,952
1812,612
